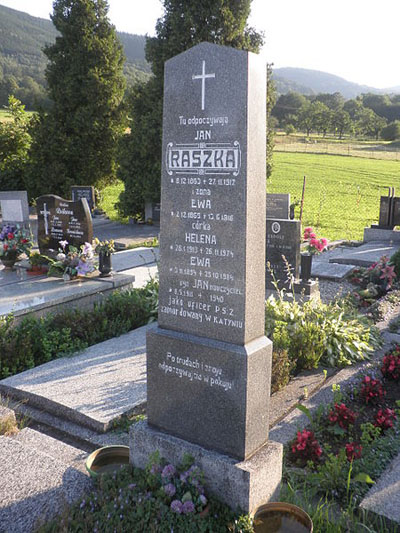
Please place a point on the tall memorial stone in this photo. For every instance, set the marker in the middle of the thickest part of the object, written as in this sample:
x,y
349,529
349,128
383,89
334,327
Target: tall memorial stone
x,y
14,208
62,220
208,361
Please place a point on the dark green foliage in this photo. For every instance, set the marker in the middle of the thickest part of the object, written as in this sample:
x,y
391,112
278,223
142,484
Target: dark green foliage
x,y
76,141
15,142
281,369
38,340
183,25
391,132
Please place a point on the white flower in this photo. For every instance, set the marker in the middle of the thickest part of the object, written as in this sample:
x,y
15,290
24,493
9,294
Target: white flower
x,y
60,257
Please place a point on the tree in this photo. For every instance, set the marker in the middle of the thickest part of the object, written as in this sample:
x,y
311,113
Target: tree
x,y
392,131
15,142
341,123
183,25
76,141
369,123
287,107
334,101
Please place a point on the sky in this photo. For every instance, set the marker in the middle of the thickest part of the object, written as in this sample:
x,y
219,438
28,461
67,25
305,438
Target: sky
x,y
355,39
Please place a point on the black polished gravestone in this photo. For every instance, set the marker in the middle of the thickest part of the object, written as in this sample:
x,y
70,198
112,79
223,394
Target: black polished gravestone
x,y
385,211
62,220
283,252
396,212
84,191
278,205
208,361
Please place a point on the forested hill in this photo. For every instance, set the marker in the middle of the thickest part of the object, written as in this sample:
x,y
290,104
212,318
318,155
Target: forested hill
x,y
22,62
308,82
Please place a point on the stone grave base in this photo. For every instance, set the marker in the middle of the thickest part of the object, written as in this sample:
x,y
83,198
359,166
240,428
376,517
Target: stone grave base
x,y
377,233
308,289
245,485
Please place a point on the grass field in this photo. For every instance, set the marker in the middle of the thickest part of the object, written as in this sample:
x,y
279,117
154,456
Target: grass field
x,y
6,117
342,193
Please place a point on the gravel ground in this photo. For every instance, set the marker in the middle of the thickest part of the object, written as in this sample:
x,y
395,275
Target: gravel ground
x,y
330,289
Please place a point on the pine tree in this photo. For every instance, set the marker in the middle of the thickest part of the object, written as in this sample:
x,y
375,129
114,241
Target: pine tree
x,y
183,25
76,141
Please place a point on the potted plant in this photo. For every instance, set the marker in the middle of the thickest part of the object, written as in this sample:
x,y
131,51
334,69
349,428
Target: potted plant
x,y
315,245
72,262
38,263
13,242
104,249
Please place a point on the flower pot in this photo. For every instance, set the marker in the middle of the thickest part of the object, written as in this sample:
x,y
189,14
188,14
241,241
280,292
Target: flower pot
x,y
281,517
107,460
105,264
9,260
305,266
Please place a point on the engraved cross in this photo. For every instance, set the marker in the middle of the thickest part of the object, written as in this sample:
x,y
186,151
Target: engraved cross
x,y
46,222
203,77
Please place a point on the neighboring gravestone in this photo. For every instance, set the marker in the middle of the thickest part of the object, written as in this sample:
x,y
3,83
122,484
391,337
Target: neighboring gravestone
x,y
396,212
84,191
208,361
152,211
14,208
278,206
385,211
283,239
62,220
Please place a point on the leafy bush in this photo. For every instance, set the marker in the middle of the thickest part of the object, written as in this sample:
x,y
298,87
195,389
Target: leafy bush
x,y
332,334
395,261
38,340
281,369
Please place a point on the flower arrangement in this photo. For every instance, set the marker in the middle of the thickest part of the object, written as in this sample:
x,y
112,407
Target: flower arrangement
x,y
181,488
371,390
391,364
315,245
342,415
14,241
73,262
104,247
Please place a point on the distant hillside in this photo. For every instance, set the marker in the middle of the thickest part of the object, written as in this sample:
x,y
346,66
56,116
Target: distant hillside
x,y
307,81
22,62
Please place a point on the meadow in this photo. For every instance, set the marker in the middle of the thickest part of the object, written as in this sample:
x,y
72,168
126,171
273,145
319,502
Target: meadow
x,y
342,193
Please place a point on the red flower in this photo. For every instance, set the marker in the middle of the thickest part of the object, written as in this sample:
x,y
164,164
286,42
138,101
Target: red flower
x,y
306,447
353,451
342,415
391,364
384,418
371,390
5,246
10,236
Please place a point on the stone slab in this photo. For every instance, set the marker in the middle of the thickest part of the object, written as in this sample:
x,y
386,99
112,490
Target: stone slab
x,y
17,275
363,255
333,271
93,388
246,484
43,294
34,486
128,259
383,498
379,234
55,448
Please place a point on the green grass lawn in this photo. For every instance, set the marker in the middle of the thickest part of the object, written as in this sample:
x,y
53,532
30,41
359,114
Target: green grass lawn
x,y
342,193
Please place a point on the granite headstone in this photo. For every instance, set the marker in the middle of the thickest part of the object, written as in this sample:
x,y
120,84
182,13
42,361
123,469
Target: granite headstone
x,y
152,211
84,191
278,205
14,208
396,211
208,360
283,251
385,211
60,220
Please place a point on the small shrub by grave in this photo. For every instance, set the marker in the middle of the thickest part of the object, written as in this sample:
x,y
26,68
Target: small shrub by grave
x,y
374,281
163,497
37,340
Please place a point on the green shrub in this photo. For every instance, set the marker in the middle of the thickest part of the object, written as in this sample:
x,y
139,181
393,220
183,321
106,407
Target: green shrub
x,y
332,334
391,132
37,340
395,261
281,368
